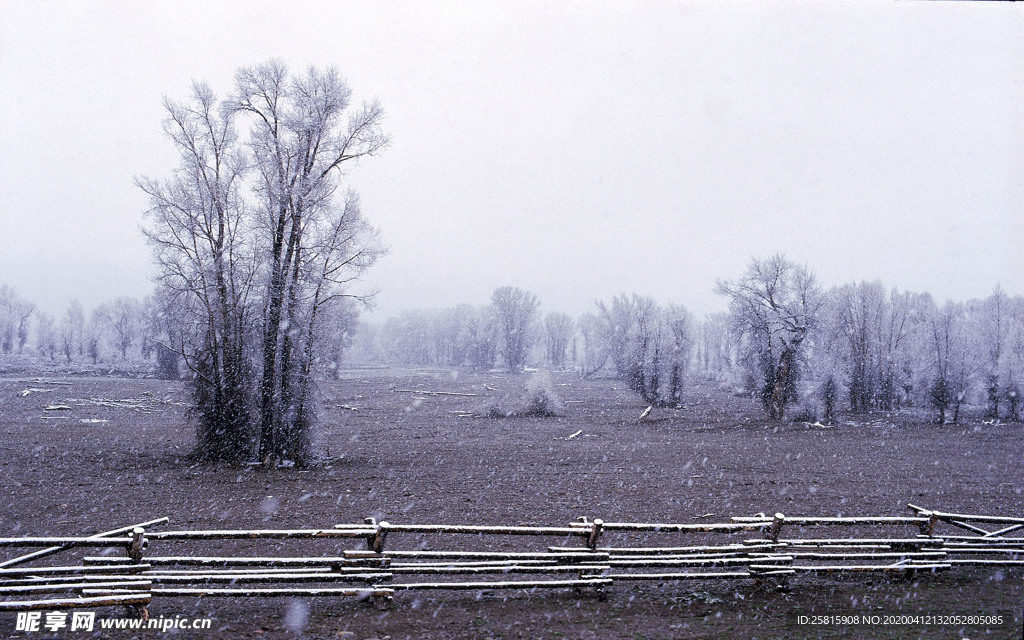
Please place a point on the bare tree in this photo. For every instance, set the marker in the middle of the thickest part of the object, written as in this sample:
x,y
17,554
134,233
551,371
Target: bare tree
x,y
46,336
72,328
15,315
558,331
774,306
94,335
303,133
123,318
200,236
650,347
996,326
596,346
257,244
515,311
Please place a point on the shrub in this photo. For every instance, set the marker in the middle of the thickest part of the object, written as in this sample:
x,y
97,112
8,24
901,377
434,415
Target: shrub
x,y
537,399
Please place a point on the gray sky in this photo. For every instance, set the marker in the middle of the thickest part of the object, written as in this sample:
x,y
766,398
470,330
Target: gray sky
x,y
576,149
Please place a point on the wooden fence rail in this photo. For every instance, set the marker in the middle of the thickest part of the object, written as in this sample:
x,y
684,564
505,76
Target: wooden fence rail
x,y
139,575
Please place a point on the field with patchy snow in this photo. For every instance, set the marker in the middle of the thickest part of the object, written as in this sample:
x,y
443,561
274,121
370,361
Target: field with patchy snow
x,y
84,454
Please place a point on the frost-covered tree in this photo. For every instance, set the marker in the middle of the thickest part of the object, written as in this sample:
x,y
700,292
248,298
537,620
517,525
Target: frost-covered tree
x,y
72,329
595,351
679,327
257,240
366,343
8,323
162,333
996,326
515,312
774,306
150,322
46,336
455,333
954,357
339,319
713,346
868,330
23,313
479,338
95,334
649,346
621,335
303,134
206,255
123,320
638,343
409,338
1014,359
450,337
558,331
15,320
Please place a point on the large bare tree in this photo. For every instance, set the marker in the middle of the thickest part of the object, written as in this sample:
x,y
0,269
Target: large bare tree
x,y
515,311
871,329
303,133
257,239
203,245
123,319
649,346
15,313
774,306
558,332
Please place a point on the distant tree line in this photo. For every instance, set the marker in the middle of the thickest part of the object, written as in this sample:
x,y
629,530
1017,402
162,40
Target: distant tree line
x,y
806,352
803,350
865,346
118,331
130,334
648,346
507,334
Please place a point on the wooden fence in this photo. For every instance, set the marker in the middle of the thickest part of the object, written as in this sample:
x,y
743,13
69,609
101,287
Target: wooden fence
x,y
477,557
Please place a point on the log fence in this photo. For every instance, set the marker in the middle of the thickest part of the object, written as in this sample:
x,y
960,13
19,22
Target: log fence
x,y
583,561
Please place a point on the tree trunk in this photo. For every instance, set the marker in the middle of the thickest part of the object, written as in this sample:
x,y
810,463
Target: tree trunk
x,y
780,386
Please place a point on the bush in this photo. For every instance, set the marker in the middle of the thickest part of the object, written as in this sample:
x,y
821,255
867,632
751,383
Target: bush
x,y
538,399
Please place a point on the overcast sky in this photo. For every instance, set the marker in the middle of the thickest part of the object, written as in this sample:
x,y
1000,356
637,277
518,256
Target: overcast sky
x,y
576,149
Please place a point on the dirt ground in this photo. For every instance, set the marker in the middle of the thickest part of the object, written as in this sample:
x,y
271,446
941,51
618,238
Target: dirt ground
x,y
407,457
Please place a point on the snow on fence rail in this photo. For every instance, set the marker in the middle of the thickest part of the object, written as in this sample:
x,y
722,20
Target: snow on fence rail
x,y
382,568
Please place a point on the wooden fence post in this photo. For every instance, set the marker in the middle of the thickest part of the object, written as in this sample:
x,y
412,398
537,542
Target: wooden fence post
x,y
135,553
138,541
773,531
595,532
377,543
